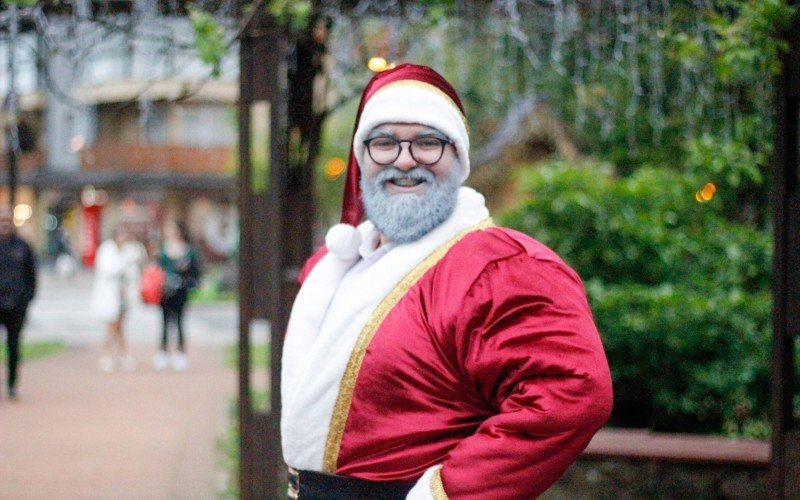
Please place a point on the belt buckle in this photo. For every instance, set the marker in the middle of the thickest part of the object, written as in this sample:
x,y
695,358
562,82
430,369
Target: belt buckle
x,y
293,490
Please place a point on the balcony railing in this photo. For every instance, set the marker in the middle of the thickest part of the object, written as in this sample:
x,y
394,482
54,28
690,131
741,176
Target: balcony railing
x,y
134,158
162,159
27,162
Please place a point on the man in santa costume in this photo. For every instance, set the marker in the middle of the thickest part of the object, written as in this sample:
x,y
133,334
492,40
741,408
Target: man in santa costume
x,y
431,354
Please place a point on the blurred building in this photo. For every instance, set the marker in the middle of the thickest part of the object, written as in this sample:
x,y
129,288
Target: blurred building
x,y
123,126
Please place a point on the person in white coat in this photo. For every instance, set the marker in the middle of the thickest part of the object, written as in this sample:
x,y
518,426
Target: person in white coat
x,y
117,265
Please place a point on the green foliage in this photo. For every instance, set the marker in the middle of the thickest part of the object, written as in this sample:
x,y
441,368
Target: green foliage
x,y
211,292
259,355
748,46
686,50
686,358
632,92
20,3
36,350
209,39
292,13
227,445
647,228
736,170
679,282
680,293
438,12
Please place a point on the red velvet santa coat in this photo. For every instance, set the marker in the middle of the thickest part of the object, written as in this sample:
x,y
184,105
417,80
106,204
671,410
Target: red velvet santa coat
x,y
481,369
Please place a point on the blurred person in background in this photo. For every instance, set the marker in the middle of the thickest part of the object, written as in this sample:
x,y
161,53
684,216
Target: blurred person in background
x,y
65,263
181,264
17,288
117,267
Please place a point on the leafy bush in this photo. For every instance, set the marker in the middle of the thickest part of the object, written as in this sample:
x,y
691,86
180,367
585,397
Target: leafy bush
x,y
684,359
681,294
737,168
647,228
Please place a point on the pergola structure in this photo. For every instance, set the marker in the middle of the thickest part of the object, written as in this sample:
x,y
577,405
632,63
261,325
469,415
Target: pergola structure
x,y
265,269
276,224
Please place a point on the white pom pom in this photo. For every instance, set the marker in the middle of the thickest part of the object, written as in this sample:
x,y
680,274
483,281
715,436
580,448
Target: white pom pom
x,y
343,241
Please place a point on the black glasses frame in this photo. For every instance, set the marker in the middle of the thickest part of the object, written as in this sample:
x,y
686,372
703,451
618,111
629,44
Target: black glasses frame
x,y
443,142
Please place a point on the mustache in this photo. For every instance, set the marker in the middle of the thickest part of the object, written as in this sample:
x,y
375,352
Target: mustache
x,y
416,173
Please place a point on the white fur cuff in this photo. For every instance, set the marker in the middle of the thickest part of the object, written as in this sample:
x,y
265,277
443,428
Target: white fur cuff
x,y
422,490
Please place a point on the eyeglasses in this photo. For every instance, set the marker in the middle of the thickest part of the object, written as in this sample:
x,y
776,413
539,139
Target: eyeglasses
x,y
424,150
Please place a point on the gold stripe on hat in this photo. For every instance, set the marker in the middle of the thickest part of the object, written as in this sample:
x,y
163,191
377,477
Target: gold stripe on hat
x,y
341,408
424,86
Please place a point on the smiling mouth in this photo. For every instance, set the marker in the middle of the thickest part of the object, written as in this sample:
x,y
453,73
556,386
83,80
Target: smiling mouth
x,y
406,181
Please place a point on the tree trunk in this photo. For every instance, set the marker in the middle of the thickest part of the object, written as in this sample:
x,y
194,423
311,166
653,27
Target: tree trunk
x,y
307,109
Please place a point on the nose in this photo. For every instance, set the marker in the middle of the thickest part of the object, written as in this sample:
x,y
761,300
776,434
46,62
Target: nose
x,y
405,161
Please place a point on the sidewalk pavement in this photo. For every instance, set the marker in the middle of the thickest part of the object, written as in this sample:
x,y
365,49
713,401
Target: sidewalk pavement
x,y
78,433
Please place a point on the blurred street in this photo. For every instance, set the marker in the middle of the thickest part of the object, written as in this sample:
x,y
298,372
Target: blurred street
x,y
75,432
62,311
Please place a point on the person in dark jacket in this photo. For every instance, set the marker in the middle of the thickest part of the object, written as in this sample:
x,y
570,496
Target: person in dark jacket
x,y
17,288
181,264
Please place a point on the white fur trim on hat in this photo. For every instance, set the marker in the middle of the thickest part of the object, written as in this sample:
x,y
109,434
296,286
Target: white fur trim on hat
x,y
343,241
412,101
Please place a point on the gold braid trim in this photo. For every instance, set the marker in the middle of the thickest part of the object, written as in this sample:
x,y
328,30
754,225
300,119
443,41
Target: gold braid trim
x,y
341,408
437,488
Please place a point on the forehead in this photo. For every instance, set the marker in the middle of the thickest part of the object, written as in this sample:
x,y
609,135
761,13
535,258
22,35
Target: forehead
x,y
404,130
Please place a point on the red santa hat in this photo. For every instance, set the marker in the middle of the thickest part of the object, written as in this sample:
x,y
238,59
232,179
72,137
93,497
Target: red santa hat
x,y
408,93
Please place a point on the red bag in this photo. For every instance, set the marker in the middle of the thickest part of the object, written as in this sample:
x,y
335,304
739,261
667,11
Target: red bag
x,y
152,284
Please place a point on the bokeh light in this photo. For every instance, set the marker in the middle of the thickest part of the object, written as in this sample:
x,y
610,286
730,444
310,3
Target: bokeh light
x,y
51,222
22,213
706,193
334,168
377,64
77,143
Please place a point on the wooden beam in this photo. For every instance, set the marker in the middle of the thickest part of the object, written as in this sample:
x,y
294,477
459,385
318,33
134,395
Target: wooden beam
x,y
785,463
246,253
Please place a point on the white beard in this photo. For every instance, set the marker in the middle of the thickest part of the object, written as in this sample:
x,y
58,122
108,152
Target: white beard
x,y
407,217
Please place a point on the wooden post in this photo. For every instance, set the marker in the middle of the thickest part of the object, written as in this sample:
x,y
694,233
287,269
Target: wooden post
x,y
262,168
785,461
276,214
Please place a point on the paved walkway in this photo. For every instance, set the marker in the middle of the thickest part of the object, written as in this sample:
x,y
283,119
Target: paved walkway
x,y
77,433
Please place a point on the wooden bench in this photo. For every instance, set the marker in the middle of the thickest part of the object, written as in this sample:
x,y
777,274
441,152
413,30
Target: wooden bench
x,y
678,448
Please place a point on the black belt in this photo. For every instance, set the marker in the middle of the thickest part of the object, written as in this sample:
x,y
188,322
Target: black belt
x,y
309,485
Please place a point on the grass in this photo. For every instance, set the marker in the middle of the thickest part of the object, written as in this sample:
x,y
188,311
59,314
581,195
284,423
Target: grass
x,y
31,351
259,355
211,289
228,443
206,295
228,454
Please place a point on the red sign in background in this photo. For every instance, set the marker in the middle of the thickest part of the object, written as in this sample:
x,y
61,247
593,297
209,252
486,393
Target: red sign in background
x,y
91,233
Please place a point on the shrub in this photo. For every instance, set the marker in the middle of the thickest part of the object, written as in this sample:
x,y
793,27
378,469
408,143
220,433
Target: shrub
x,y
685,359
680,293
